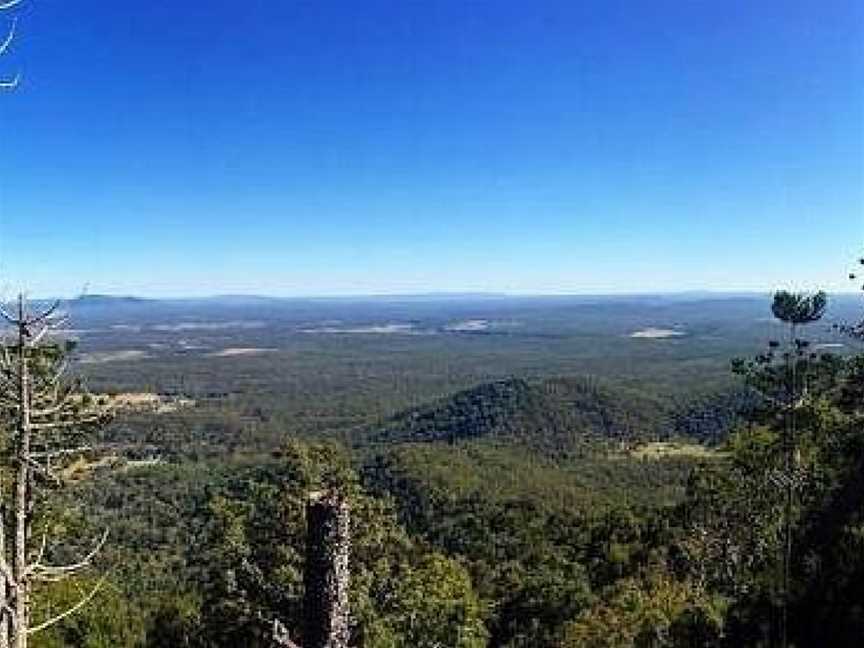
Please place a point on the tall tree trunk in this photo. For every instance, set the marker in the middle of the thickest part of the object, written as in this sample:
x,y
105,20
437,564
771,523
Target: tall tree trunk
x,y
22,483
326,609
789,469
4,585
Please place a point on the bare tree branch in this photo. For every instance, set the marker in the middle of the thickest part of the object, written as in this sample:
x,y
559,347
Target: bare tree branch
x,y
9,37
47,572
45,471
46,411
70,611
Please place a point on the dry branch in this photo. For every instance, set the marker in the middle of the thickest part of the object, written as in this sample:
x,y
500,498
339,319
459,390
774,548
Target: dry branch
x,y
46,411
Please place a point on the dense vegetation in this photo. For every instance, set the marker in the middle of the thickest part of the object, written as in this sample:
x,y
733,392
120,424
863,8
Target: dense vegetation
x,y
491,508
557,415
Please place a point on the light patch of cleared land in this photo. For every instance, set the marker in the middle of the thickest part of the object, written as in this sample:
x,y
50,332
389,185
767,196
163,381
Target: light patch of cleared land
x,y
239,351
148,401
377,329
662,449
82,468
209,326
186,345
468,326
131,464
112,356
652,333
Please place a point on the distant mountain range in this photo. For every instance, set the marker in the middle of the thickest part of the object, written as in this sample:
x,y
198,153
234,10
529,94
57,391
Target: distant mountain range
x,y
100,300
231,298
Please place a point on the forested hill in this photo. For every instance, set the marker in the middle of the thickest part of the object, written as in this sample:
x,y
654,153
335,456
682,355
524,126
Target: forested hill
x,y
555,414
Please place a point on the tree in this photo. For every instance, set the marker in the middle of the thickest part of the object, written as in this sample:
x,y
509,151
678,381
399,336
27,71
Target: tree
x,y
782,377
653,611
251,560
795,309
46,415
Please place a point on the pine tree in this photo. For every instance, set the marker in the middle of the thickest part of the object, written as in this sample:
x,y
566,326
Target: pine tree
x,y
781,377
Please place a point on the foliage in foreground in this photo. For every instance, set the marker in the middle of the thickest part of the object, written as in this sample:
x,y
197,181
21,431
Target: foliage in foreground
x,y
250,564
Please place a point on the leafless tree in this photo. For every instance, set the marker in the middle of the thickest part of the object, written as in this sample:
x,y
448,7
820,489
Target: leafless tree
x,y
6,83
47,416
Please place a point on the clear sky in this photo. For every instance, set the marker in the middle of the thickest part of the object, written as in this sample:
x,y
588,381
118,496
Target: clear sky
x,y
347,147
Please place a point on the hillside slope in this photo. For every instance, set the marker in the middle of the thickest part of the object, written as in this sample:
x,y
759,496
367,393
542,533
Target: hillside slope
x,y
555,414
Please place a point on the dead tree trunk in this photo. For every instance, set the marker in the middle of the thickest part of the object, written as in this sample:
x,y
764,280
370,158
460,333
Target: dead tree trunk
x,y
22,486
326,610
46,415
5,628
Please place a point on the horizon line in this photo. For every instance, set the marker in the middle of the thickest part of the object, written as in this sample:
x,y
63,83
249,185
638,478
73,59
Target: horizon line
x,y
426,294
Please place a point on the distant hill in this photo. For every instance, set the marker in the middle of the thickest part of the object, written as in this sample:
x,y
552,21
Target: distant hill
x,y
556,414
106,300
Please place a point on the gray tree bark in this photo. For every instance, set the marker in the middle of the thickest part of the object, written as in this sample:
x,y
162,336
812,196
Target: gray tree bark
x,y
326,608
21,621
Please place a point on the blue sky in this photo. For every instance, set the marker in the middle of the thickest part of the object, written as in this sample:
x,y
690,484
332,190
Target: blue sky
x,y
324,147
